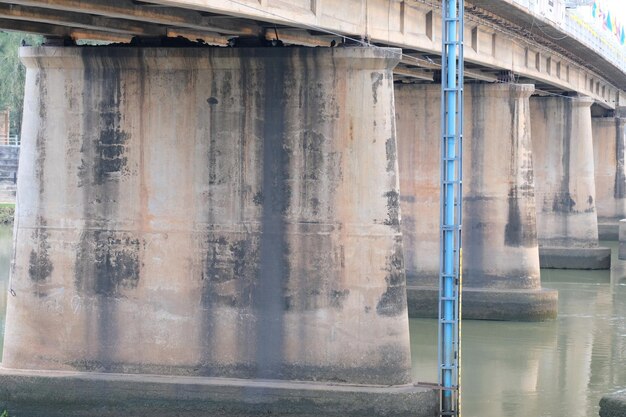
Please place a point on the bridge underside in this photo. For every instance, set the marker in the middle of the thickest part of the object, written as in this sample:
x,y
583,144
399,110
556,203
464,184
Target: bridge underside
x,y
501,46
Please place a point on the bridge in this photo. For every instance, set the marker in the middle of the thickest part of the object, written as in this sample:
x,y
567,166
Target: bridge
x,y
232,207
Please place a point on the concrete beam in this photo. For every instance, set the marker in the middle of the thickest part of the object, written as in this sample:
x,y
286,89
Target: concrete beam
x,y
413,73
45,29
300,37
194,35
480,76
79,20
125,9
32,27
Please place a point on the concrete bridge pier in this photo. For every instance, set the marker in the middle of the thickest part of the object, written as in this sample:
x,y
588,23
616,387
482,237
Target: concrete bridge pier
x,y
609,144
198,228
501,277
566,193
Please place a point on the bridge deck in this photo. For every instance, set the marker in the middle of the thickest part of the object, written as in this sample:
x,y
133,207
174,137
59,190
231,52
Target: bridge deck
x,y
507,41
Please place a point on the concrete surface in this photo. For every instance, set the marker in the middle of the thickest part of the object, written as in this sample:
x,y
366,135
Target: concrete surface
x,y
575,258
500,250
608,229
609,144
613,405
210,212
622,239
74,394
565,181
489,304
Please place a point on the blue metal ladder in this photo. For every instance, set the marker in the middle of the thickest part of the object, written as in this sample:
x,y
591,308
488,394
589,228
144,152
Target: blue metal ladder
x,y
450,276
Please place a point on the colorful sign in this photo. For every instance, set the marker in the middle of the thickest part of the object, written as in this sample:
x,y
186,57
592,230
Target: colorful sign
x,y
604,17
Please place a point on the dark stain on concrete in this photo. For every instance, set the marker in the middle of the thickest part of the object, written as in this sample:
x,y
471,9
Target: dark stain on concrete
x,y
40,142
214,147
229,272
313,152
117,264
393,301
563,201
269,291
40,266
337,298
212,101
108,263
110,150
393,209
258,198
377,82
391,152
477,141
520,228
315,205
108,161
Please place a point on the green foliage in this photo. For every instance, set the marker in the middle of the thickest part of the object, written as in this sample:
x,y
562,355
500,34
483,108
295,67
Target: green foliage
x,y
12,76
7,214
5,413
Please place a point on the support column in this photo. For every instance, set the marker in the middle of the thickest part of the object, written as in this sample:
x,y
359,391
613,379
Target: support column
x,y
566,193
609,140
213,212
501,278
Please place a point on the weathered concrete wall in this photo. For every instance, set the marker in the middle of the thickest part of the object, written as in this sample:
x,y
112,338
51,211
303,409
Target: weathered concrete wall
x,y
609,143
419,131
500,251
566,194
220,212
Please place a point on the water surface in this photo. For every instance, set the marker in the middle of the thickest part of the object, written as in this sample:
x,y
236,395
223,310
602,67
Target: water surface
x,y
558,368
6,238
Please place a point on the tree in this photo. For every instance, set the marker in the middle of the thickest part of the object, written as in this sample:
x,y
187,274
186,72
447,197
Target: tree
x,y
12,75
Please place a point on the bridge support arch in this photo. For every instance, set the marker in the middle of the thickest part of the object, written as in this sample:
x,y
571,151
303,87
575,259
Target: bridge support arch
x,y
211,213
566,194
501,277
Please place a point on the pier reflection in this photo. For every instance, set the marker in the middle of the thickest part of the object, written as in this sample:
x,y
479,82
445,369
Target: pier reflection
x,y
552,369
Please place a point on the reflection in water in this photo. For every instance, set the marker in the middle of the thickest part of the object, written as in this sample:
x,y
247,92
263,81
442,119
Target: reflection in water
x,y
6,236
557,369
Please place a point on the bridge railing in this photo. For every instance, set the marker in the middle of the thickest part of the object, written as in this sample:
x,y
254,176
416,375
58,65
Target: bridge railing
x,y
605,43
574,24
10,140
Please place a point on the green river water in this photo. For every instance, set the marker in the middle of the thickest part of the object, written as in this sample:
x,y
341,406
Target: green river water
x,y
559,368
